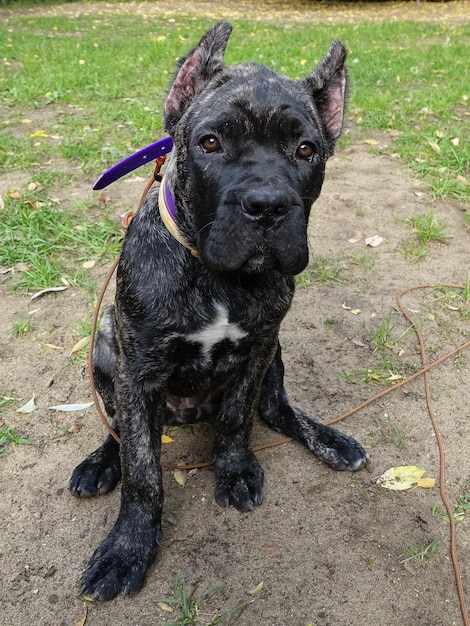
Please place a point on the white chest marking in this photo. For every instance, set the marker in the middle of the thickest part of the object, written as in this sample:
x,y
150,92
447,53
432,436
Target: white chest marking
x,y
218,330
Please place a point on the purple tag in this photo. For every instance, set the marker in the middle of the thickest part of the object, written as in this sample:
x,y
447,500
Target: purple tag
x,y
130,163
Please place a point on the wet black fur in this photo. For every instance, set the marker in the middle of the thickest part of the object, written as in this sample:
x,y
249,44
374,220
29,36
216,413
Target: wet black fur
x,y
245,207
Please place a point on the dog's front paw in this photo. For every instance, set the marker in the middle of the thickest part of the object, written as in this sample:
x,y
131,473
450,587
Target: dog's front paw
x,y
119,564
339,451
96,475
239,481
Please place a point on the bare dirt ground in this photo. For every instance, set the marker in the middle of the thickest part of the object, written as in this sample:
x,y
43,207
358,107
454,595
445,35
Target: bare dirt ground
x,y
328,546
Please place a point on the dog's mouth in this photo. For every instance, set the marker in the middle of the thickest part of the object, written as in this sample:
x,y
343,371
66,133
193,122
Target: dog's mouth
x,y
235,243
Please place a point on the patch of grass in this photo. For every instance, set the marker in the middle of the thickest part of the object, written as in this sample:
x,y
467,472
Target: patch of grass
x,y
322,271
427,228
387,428
50,243
423,551
8,435
364,260
52,61
21,327
188,603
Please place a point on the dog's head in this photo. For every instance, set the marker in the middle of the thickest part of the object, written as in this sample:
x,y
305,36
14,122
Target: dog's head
x,y
250,153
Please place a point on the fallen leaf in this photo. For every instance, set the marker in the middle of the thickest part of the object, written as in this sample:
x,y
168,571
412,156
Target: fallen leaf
x,y
270,547
355,311
257,589
38,133
28,407
80,621
88,265
40,293
84,341
371,142
51,346
181,476
346,307
166,439
71,407
434,146
395,377
75,428
401,477
373,241
426,483
164,606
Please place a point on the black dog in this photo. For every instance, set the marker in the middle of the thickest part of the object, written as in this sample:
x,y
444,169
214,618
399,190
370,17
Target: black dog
x,y
194,332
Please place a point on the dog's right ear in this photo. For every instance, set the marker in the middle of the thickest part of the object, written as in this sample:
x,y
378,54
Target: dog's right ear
x,y
195,71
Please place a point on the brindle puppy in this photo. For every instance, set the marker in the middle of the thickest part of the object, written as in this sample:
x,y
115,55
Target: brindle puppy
x,y
195,336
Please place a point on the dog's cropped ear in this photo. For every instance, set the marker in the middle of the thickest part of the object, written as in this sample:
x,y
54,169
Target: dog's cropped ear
x,y
328,85
195,71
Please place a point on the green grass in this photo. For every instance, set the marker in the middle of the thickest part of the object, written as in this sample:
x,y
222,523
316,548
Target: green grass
x,y
188,604
104,77
78,94
423,551
7,433
51,243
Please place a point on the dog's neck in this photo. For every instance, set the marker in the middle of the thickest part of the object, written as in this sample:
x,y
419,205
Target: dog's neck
x,y
166,205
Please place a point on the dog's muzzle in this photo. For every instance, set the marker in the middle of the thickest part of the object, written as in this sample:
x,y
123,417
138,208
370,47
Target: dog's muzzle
x,y
259,229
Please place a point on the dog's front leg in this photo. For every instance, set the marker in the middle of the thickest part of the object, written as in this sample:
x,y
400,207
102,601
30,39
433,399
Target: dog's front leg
x,y
238,474
120,562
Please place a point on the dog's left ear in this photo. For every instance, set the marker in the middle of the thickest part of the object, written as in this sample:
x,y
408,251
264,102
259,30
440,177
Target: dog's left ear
x,y
328,86
195,71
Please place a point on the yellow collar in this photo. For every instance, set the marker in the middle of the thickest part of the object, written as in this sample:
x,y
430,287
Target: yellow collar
x,y
165,198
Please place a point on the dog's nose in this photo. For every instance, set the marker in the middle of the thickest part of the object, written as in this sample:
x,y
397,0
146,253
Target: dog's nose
x,y
266,203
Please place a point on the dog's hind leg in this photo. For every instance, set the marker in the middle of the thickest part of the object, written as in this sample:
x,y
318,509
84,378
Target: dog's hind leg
x,y
101,470
338,450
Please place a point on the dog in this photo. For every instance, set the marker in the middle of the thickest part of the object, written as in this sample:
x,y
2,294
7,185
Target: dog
x,y
205,277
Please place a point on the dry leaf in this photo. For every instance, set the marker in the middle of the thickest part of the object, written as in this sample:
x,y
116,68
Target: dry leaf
x,y
51,346
71,407
426,483
166,439
75,428
181,476
371,142
88,265
355,311
164,606
38,133
80,621
257,589
80,345
373,241
434,146
401,477
40,293
28,407
270,547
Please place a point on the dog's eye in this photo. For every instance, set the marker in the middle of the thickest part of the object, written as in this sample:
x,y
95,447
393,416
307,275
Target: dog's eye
x,y
210,143
306,151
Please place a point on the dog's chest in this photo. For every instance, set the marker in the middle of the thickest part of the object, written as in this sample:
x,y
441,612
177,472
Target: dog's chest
x,y
217,330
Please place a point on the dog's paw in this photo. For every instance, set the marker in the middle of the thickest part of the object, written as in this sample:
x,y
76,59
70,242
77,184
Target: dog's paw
x,y
96,475
119,564
339,451
239,481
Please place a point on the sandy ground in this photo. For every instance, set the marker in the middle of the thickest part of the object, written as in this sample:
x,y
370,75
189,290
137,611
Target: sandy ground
x,y
329,547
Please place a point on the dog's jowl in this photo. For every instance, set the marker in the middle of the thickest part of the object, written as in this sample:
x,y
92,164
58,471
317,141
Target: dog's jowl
x,y
204,281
